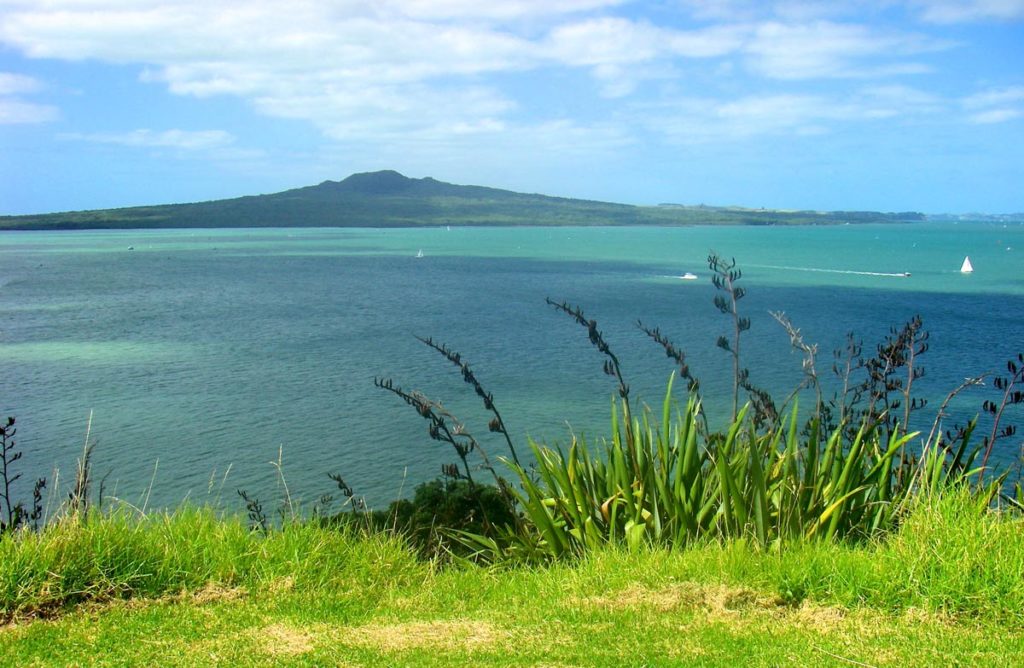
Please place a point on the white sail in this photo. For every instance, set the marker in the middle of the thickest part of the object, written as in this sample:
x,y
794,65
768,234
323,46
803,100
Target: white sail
x,y
966,267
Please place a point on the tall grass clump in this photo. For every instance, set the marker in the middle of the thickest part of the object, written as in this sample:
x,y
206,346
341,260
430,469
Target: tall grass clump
x,y
954,554
950,558
951,555
89,552
120,554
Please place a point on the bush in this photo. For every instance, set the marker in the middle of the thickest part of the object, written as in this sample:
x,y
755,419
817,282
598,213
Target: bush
x,y
439,508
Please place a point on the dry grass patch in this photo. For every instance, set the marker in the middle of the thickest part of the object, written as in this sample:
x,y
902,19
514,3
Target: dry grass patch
x,y
283,585
820,618
210,593
285,640
917,615
715,599
728,604
14,628
442,635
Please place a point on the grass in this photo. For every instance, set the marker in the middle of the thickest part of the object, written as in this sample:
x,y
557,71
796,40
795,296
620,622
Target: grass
x,y
193,588
117,555
500,624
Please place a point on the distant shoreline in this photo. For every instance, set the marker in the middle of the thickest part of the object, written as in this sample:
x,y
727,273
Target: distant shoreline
x,y
388,199
73,227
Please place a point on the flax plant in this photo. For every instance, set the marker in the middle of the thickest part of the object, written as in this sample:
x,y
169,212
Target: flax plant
x,y
766,478
611,365
667,483
1010,397
724,276
444,427
808,365
497,423
11,513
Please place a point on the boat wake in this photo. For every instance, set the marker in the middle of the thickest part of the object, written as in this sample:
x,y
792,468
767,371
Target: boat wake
x,y
901,274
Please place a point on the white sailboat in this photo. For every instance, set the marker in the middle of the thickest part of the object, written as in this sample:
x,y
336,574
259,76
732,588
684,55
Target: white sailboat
x,y
966,267
419,253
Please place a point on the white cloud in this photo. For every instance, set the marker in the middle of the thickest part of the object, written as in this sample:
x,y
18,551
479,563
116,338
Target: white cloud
x,y
694,120
691,120
807,10
14,110
353,68
623,53
185,140
349,68
997,96
995,116
727,10
14,84
604,41
996,105
503,9
932,11
759,10
968,11
771,112
708,42
434,70
825,49
894,101
346,114
614,47
610,40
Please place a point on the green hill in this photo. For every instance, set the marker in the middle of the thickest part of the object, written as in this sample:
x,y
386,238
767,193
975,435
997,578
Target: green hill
x,y
389,199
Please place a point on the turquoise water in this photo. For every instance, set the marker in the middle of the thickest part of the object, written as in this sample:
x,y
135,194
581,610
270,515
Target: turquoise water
x,y
203,355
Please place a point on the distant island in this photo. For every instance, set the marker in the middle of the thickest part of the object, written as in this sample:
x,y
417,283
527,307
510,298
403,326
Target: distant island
x,y
389,199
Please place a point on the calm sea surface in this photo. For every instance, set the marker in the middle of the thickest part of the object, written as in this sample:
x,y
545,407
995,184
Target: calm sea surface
x,y
204,354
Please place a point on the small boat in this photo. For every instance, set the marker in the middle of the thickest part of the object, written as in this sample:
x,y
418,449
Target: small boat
x,y
419,253
689,276
966,267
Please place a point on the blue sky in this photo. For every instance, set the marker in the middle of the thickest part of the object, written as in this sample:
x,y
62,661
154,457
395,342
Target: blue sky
x,y
889,105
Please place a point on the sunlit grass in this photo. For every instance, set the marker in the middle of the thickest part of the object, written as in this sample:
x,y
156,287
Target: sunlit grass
x,y
946,586
119,554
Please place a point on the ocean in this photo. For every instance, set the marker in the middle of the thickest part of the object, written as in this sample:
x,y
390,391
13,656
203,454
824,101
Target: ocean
x,y
216,360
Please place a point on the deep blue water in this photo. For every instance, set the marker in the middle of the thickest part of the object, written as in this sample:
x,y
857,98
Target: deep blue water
x,y
205,354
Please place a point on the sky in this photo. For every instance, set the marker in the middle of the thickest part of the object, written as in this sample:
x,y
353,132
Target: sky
x,y
888,105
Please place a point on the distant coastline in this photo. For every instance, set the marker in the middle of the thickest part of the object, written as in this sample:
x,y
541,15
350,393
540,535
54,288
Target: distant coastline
x,y
389,199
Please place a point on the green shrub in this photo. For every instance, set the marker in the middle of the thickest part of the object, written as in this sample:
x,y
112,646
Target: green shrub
x,y
439,510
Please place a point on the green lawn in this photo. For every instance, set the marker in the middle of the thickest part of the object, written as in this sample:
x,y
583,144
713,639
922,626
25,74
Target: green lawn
x,y
593,615
946,590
